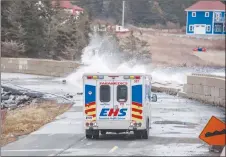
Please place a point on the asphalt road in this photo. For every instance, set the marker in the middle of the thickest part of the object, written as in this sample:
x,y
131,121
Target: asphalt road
x,y
175,126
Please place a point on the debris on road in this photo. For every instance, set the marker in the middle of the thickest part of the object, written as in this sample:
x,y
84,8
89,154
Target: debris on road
x,y
69,96
80,93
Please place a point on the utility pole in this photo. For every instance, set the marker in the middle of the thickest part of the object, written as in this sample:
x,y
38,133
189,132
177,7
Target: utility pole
x,y
123,12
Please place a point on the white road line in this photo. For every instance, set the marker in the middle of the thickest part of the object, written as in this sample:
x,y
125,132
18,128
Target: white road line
x,y
31,150
88,144
52,155
113,149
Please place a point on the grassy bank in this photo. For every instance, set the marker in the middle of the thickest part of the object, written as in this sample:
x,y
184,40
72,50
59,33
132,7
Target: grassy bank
x,y
23,121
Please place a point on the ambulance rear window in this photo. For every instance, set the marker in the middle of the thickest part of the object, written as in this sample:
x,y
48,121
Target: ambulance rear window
x,y
122,93
104,93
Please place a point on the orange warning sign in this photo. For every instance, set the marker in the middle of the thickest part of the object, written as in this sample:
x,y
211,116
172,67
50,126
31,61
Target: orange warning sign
x,y
214,132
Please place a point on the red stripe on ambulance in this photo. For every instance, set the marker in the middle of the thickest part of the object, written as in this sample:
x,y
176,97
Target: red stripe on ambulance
x,y
137,110
136,116
90,110
90,104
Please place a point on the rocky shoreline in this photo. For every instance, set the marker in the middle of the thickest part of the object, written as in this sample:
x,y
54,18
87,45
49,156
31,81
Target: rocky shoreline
x,y
14,98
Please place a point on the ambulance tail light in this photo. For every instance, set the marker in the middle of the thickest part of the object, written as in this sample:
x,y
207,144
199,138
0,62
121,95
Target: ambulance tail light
x,y
135,124
91,124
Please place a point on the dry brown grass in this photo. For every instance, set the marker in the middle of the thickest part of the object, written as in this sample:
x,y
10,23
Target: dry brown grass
x,y
174,50
23,121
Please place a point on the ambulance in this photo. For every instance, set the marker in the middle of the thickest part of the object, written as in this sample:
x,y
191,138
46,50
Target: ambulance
x,y
116,103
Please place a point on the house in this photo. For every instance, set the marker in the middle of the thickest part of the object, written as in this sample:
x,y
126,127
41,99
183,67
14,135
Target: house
x,y
68,7
206,17
101,26
105,26
121,29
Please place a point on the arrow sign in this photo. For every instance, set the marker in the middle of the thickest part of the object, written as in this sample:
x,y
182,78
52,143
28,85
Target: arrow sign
x,y
214,132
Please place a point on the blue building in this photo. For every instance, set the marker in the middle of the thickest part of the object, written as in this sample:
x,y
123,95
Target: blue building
x,y
206,17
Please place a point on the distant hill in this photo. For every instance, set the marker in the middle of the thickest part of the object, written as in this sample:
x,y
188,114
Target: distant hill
x,y
138,12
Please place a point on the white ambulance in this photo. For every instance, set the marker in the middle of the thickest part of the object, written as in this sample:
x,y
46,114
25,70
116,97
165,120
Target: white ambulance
x,y
117,103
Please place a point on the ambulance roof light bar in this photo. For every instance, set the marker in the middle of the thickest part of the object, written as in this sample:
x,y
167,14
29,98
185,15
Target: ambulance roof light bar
x,y
131,77
95,77
102,77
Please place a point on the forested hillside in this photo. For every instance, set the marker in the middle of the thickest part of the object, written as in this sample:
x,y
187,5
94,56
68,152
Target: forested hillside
x,y
138,12
33,28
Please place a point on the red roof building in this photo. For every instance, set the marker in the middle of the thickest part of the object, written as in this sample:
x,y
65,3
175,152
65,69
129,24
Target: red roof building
x,y
207,6
66,4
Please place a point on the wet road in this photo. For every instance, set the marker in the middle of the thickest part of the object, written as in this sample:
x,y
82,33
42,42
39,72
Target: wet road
x,y
175,126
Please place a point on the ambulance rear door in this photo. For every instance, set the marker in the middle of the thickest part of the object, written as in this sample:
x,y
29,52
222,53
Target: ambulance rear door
x,y
122,98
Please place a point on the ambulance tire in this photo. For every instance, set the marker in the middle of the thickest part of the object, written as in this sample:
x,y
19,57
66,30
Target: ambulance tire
x,y
138,134
103,132
146,132
88,136
96,136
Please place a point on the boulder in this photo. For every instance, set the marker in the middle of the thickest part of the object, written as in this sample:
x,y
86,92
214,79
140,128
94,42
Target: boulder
x,y
34,95
4,97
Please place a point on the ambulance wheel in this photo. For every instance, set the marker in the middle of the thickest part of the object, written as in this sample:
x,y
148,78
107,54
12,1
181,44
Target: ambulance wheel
x,y
88,136
146,132
96,136
103,132
138,134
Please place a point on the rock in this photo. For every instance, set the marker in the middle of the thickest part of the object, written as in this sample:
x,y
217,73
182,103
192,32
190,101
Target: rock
x,y
3,106
7,93
4,97
13,97
11,106
64,81
69,96
11,100
34,95
21,99
12,91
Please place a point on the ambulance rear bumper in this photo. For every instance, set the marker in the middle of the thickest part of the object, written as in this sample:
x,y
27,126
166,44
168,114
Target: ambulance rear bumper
x,y
115,125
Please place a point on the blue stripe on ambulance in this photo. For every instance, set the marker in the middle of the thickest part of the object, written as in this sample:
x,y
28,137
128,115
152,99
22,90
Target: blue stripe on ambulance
x,y
137,94
90,102
137,108
90,94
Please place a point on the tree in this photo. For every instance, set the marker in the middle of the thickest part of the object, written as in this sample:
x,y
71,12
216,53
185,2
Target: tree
x,y
43,30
